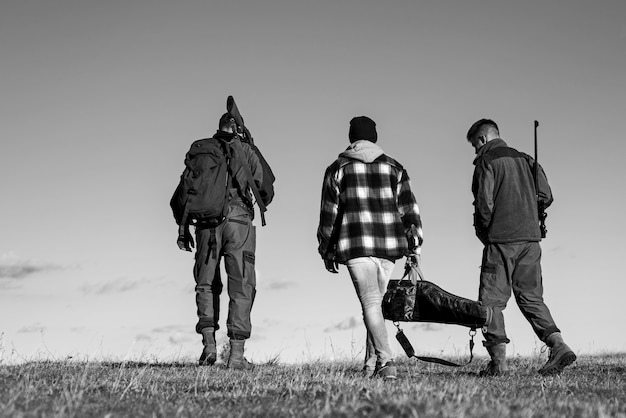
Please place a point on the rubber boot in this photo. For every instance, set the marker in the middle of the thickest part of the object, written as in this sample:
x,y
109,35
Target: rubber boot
x,y
236,359
209,352
560,356
497,365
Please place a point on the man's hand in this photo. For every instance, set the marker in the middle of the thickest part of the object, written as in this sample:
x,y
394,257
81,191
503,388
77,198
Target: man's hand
x,y
185,242
416,261
331,265
416,258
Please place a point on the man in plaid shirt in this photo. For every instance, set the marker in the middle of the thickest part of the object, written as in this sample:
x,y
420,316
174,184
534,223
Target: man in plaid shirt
x,y
368,219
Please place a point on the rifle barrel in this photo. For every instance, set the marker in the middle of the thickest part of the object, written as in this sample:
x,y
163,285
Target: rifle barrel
x,y
540,205
536,167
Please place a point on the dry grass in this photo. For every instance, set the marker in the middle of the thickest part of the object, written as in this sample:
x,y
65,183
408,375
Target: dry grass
x,y
592,387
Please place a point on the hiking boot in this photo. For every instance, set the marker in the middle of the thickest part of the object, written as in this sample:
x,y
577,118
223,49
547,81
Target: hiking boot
x,y
386,372
209,352
497,365
208,357
236,359
560,356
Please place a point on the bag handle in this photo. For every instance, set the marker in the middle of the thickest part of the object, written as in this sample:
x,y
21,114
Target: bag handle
x,y
412,269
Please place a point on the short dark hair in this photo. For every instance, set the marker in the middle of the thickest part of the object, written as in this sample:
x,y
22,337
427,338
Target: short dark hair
x,y
224,120
481,126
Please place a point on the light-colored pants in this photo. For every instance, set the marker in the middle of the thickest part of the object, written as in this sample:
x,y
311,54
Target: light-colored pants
x,y
370,276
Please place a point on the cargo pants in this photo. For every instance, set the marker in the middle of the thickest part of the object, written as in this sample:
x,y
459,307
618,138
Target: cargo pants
x,y
234,240
514,267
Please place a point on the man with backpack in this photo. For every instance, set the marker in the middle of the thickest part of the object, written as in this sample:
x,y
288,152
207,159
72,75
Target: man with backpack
x,y
368,219
215,196
506,221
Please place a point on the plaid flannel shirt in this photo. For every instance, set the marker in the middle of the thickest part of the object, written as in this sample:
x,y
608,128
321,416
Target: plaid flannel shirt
x,y
367,209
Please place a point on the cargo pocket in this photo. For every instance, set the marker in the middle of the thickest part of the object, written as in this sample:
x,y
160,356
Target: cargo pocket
x,y
489,269
488,274
249,274
488,292
248,262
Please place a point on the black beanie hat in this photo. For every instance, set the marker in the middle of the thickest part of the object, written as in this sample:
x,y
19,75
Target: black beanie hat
x,y
362,127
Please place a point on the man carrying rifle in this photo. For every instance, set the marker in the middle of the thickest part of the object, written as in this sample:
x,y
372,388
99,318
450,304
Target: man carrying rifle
x,y
506,221
229,235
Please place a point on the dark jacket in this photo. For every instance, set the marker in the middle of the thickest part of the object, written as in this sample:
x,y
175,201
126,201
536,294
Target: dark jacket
x,y
505,201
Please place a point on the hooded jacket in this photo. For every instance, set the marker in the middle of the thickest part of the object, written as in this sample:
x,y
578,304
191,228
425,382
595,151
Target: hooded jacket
x,y
505,200
367,207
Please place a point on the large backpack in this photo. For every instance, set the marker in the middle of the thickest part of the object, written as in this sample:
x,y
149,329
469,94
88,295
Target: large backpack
x,y
202,193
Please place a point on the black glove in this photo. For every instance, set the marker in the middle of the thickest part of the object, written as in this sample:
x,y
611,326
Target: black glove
x,y
331,265
185,241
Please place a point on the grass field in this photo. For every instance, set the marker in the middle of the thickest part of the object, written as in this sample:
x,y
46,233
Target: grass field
x,y
594,386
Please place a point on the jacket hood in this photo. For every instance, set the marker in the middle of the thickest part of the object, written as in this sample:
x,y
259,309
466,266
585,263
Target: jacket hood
x,y
494,143
362,150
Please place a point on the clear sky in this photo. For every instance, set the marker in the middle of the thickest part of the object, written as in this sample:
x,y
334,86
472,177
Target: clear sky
x,y
101,100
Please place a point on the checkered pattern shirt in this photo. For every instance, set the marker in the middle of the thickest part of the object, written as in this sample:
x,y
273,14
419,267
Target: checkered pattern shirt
x,y
367,209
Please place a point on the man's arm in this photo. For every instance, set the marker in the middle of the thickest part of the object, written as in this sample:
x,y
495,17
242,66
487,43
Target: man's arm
x,y
482,188
329,210
410,214
266,189
544,193
255,165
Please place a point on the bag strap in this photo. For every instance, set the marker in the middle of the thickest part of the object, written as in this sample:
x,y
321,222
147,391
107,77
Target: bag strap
x,y
410,352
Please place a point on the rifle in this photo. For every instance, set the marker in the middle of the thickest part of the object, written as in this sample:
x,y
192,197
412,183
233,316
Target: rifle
x,y
233,110
540,204
265,193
